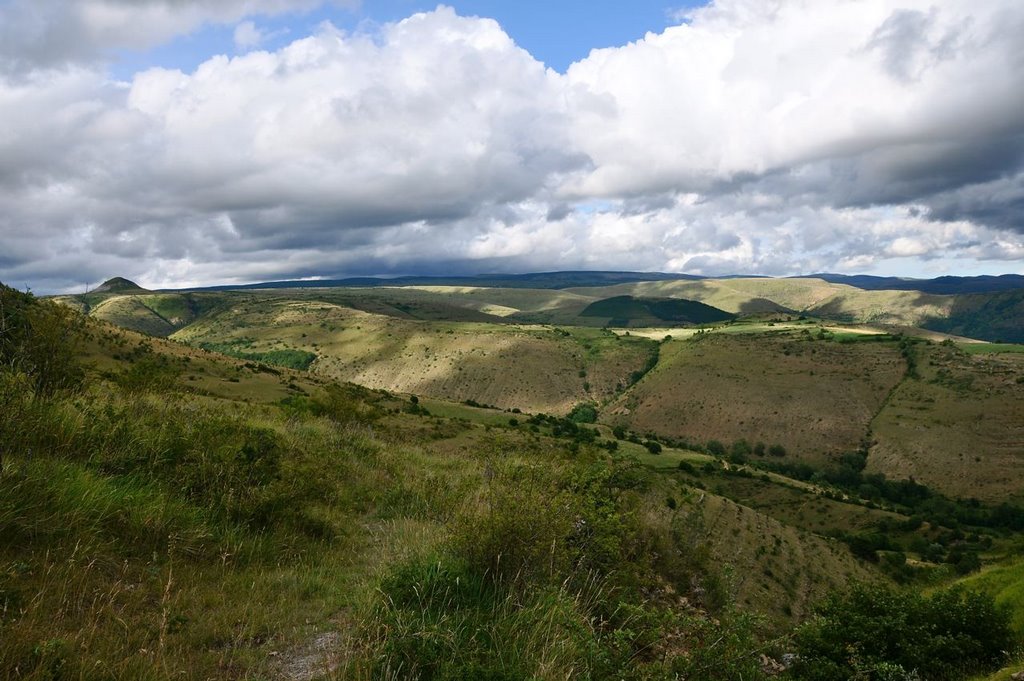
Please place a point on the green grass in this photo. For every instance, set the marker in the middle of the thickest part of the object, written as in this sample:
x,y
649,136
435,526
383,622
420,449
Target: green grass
x,y
289,359
991,348
204,536
453,410
175,308
192,515
668,459
1006,584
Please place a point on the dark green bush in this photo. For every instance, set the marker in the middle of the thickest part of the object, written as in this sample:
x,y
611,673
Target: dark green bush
x,y
874,628
583,413
39,339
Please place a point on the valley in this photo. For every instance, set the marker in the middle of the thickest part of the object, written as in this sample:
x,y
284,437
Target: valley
x,y
682,461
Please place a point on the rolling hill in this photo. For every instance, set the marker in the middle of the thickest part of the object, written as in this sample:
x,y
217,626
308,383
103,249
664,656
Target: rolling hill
x,y
224,513
630,311
566,298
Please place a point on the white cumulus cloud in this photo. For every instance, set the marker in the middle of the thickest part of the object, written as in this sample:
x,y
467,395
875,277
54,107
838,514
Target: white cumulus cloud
x,y
771,136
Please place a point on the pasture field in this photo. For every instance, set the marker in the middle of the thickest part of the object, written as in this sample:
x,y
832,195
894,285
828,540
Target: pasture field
x,y
957,426
816,398
991,348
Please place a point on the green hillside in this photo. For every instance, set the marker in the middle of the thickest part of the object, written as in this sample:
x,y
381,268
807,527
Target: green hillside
x,y
995,317
986,316
498,499
532,369
630,311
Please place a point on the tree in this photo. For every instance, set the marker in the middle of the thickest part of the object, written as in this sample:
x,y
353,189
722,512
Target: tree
x,y
39,339
740,452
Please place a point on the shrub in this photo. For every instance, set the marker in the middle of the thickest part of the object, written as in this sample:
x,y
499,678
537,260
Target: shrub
x,y
715,448
40,340
740,452
868,629
149,374
583,413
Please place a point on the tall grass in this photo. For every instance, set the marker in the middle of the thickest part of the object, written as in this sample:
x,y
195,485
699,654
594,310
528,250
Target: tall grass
x,y
552,572
159,536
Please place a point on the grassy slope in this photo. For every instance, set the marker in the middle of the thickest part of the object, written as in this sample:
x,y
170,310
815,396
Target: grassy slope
x,y
1006,583
204,597
811,296
131,312
509,301
992,317
739,296
772,564
959,428
154,314
798,506
813,397
109,571
774,568
534,369
122,576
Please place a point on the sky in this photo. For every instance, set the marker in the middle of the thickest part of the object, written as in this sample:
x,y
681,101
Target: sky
x,y
186,142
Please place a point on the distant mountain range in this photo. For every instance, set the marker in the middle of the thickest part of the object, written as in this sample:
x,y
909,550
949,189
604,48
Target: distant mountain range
x,y
538,280
561,280
939,285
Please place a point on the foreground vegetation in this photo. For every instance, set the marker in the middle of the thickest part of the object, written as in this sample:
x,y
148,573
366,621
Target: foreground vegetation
x,y
166,514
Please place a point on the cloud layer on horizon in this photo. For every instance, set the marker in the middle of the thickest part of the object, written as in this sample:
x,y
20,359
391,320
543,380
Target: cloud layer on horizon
x,y
767,136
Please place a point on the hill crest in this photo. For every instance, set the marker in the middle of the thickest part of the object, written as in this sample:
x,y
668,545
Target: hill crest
x,y
119,285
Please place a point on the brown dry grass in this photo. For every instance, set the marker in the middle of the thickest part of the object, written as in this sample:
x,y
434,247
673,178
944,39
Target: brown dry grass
x,y
959,428
813,397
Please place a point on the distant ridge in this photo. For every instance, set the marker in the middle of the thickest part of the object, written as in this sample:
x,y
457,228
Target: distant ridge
x,y
939,285
119,285
540,280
